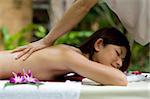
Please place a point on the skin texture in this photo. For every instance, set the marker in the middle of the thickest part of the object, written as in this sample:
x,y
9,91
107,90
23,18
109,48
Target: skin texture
x,y
49,63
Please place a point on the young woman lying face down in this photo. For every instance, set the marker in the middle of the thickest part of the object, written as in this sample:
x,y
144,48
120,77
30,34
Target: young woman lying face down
x,y
102,58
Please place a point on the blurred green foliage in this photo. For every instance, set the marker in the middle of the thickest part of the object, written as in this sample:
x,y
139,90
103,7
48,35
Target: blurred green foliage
x,y
19,38
74,38
140,58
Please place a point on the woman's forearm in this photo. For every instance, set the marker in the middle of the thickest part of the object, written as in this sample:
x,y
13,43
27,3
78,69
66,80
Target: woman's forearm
x,y
72,17
95,71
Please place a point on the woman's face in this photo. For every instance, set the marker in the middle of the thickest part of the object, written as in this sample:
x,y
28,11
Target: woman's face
x,y
110,55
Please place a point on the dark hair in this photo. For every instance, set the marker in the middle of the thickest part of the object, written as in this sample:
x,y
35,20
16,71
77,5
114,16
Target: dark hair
x,y
109,36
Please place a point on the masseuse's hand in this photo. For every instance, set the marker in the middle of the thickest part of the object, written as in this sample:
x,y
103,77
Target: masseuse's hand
x,y
27,50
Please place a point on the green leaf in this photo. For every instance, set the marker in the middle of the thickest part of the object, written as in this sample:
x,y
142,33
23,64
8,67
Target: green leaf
x,y
7,84
40,34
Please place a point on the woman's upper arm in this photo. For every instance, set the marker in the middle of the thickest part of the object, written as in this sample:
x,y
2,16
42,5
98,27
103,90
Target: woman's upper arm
x,y
93,70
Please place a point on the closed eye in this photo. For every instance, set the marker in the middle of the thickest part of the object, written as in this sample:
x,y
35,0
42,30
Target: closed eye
x,y
119,56
117,53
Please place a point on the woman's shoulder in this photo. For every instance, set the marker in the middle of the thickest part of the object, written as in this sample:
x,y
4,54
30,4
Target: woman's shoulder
x,y
68,47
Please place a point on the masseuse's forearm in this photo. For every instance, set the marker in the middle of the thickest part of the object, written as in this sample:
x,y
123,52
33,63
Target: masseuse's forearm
x,y
71,18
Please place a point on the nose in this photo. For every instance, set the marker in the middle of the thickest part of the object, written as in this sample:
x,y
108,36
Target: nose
x,y
119,62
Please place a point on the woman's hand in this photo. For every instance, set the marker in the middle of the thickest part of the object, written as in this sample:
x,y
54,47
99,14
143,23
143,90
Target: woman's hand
x,y
27,50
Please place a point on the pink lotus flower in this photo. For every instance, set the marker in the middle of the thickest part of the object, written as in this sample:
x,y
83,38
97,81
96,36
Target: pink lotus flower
x,y
26,78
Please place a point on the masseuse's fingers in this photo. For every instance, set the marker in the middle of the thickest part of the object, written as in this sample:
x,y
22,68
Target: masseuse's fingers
x,y
19,49
22,53
29,53
27,50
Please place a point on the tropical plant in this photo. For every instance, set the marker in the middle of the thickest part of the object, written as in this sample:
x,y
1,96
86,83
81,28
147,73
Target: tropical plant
x,y
74,38
19,38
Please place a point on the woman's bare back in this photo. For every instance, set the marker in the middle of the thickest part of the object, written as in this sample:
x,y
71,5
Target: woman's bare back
x,y
45,64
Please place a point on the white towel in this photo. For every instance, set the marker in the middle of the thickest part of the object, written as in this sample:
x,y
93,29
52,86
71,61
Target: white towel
x,y
131,78
137,78
49,90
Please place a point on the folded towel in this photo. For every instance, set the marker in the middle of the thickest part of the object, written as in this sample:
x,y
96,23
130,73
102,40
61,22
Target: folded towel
x,y
137,78
47,90
130,78
87,81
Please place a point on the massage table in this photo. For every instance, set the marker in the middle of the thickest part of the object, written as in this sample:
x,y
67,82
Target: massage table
x,y
74,90
138,90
